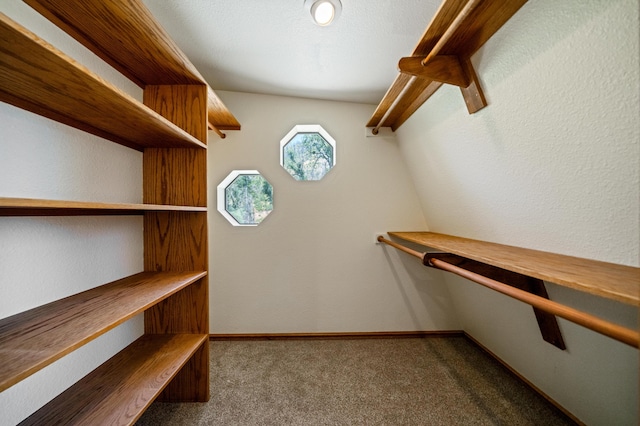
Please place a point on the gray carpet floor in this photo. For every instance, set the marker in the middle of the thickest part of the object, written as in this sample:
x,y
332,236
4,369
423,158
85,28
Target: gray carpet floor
x,y
414,381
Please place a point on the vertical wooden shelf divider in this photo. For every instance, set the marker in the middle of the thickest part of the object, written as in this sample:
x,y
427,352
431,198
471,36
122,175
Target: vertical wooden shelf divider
x,y
177,241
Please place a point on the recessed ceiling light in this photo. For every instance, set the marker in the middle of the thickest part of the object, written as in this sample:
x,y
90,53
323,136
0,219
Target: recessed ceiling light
x,y
323,12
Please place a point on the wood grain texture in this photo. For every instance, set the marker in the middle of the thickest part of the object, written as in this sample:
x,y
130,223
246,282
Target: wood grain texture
x,y
441,21
547,323
171,129
177,176
478,27
184,312
183,105
472,94
625,335
420,97
175,241
35,338
178,241
37,77
126,36
446,69
218,115
191,384
118,392
609,280
40,207
482,21
388,99
413,88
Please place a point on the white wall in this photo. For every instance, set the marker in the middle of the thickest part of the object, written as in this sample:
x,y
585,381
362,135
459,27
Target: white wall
x,y
312,265
553,163
44,259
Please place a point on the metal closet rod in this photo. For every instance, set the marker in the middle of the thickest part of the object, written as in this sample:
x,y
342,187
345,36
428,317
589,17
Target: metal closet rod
x,y
617,332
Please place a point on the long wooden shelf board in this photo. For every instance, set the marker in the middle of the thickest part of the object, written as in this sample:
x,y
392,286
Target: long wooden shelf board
x,y
127,36
39,78
609,280
474,30
39,207
118,392
218,115
33,339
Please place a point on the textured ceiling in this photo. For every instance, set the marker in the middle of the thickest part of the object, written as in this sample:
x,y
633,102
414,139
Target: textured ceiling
x,y
273,47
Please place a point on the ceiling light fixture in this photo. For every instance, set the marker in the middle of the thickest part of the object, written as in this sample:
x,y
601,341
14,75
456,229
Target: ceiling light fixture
x,y
323,12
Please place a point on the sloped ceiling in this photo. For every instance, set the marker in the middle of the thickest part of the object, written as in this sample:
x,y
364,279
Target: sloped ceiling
x,y
273,47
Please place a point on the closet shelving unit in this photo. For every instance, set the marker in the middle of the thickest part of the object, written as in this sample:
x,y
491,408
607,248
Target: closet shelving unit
x,y
604,279
443,56
170,361
520,273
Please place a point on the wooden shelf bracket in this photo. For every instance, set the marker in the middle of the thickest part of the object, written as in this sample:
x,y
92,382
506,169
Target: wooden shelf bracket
x,y
449,69
547,322
524,288
443,55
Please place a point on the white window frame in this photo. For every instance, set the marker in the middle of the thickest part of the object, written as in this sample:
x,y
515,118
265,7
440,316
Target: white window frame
x,y
222,198
307,128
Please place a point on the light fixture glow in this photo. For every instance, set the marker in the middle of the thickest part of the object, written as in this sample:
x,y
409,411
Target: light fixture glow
x,y
323,12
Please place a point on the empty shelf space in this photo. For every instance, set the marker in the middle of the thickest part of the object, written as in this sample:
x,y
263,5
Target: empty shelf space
x,y
118,392
40,207
37,77
143,52
609,280
35,338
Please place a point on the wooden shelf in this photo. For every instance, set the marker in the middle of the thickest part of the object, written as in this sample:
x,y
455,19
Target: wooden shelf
x,y
35,338
39,207
609,280
171,361
142,51
457,31
118,392
37,77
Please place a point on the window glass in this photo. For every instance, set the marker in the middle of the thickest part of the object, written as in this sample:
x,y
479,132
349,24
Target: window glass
x,y
307,152
245,198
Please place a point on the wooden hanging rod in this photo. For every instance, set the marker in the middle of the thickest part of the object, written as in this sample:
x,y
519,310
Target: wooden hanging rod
x,y
617,332
409,84
450,31
443,55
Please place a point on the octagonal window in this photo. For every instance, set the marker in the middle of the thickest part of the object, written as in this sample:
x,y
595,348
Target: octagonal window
x,y
308,152
245,198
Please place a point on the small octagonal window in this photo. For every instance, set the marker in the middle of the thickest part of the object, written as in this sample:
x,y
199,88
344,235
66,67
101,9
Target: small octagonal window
x,y
245,198
308,152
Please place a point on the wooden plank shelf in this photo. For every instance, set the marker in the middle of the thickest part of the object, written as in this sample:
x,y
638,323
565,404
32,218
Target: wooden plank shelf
x,y
458,29
40,207
33,339
118,392
37,77
609,280
170,127
142,50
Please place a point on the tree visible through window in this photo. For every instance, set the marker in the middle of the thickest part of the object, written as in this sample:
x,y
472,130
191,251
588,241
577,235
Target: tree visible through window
x,y
307,152
245,197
